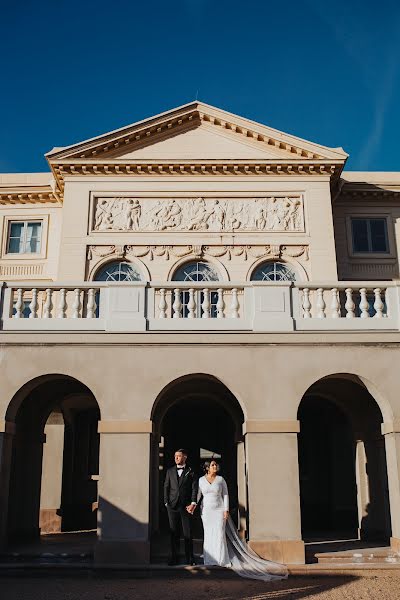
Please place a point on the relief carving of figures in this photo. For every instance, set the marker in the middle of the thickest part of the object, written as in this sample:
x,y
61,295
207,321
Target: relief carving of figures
x,y
272,213
168,215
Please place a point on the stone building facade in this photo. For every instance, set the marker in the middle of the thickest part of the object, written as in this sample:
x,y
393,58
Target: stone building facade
x,y
197,279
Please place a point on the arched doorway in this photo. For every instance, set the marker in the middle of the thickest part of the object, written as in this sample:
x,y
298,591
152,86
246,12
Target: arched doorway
x,y
200,414
342,463
53,459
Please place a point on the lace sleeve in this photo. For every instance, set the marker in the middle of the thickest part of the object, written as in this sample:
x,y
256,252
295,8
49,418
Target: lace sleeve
x,y
225,494
199,492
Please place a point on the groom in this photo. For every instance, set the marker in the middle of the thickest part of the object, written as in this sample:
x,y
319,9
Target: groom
x,y
180,497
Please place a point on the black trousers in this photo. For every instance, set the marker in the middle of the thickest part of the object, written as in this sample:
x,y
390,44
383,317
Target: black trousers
x,y
179,519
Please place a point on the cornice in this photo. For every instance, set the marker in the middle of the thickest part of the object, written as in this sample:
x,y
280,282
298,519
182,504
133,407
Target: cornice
x,y
29,196
252,168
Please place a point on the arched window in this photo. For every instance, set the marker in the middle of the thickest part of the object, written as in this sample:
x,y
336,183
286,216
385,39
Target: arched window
x,y
197,272
118,271
273,271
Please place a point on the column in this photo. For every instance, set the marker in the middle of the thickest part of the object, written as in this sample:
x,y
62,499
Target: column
x,y
391,431
273,490
123,515
372,486
242,490
52,472
7,431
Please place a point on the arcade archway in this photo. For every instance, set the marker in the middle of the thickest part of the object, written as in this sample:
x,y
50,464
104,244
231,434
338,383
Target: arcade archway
x,y
200,414
53,459
342,463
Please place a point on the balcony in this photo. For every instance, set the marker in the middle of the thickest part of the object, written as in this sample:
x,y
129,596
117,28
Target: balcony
x,y
176,306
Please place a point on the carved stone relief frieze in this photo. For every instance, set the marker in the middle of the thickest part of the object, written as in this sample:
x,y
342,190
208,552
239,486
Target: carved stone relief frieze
x,y
270,213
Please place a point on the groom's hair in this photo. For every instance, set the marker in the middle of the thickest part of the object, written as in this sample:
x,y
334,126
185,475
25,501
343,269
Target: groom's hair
x,y
182,451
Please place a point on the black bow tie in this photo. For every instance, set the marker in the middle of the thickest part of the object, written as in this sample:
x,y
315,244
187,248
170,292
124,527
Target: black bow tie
x,y
180,468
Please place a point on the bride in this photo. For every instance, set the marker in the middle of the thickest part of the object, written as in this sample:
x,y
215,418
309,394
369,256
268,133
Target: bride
x,y
222,545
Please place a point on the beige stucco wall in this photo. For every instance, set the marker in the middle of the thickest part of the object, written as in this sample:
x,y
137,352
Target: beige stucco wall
x,y
358,267
253,366
318,263
39,267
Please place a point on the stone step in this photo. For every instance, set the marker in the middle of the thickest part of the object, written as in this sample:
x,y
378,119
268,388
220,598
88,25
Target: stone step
x,y
368,556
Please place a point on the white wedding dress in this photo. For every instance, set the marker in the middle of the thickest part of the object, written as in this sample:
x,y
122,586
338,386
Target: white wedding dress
x,y
222,545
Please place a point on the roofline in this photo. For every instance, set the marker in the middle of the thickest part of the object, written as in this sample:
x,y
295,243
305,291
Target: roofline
x,y
202,107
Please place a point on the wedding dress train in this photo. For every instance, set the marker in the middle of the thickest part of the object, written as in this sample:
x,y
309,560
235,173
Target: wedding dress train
x,y
222,545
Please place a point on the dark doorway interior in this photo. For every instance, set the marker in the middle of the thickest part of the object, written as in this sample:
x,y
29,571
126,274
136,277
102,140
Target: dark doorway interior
x,y
54,461
327,471
342,463
202,416
204,429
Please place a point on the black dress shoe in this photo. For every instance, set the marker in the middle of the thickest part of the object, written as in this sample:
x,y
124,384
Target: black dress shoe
x,y
191,562
172,562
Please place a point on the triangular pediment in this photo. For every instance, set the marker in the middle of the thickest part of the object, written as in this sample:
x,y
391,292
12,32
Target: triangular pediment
x,y
201,143
196,132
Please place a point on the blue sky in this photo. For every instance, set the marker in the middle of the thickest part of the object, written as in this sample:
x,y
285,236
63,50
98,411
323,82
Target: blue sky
x,y
329,73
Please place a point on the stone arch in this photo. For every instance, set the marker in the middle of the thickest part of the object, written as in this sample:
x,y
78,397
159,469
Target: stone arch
x,y
342,461
135,262
292,262
199,412
360,379
217,264
50,456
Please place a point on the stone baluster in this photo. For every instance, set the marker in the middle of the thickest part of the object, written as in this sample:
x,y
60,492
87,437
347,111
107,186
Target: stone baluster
x,y
206,306
177,305
62,305
364,304
320,304
91,304
234,304
162,305
349,306
335,304
19,305
191,305
77,304
378,304
220,304
48,305
33,306
306,304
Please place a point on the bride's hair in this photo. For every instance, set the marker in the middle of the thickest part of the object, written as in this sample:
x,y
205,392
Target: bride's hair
x,y
207,463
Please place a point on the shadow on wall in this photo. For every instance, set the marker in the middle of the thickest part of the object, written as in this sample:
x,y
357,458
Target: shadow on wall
x,y
122,539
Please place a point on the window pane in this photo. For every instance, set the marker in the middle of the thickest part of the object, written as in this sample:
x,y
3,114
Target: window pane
x,y
196,271
360,235
15,241
118,271
33,235
15,246
273,271
378,235
25,237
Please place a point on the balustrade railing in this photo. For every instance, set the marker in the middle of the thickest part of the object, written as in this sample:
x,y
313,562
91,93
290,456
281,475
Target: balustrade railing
x,y
55,303
344,300
47,306
196,301
214,306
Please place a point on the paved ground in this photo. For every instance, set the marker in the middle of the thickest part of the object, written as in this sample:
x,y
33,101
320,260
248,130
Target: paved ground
x,y
372,587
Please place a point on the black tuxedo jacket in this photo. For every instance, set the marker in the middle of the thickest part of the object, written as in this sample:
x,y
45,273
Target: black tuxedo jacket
x,y
180,491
